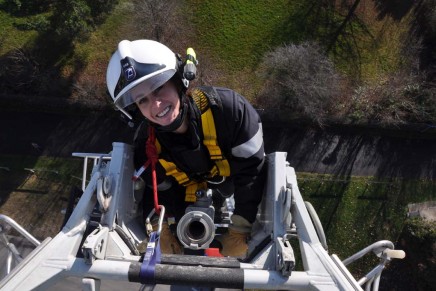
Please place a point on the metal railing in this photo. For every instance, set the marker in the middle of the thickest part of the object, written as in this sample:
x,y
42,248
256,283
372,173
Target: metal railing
x,y
13,255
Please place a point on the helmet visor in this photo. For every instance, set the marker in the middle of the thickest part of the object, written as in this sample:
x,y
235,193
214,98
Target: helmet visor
x,y
141,88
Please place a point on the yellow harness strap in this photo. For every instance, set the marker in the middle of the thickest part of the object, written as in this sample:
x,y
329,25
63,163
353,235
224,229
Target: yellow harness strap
x,y
221,166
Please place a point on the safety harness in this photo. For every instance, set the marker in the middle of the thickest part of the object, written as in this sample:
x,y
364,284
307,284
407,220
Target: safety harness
x,y
221,166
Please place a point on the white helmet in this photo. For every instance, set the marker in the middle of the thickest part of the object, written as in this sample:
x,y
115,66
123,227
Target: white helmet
x,y
141,62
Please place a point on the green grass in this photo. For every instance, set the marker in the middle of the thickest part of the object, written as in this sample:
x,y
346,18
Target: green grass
x,y
358,211
63,170
35,190
11,37
103,41
238,33
235,35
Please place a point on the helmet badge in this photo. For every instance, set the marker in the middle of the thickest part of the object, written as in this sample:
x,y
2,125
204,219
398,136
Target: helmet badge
x,y
129,70
129,73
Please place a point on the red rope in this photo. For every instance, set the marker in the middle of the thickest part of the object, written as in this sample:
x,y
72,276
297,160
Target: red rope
x,y
151,151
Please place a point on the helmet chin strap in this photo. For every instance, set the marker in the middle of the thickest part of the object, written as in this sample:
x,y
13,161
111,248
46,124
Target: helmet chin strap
x,y
179,119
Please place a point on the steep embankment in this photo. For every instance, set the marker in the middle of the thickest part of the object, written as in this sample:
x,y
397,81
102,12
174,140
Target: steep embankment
x,y
354,151
51,134
340,151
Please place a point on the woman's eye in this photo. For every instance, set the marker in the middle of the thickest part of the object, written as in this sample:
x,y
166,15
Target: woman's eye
x,y
156,91
142,101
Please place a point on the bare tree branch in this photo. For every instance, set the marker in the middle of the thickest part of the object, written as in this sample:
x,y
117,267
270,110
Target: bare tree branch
x,y
344,23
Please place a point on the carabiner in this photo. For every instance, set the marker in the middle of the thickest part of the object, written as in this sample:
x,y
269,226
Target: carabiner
x,y
160,221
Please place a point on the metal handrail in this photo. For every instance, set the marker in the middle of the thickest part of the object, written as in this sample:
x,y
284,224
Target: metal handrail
x,y
13,253
384,249
20,229
96,158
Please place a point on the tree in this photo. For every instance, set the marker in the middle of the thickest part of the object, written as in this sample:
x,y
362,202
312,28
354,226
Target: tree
x,y
100,9
344,23
155,18
71,19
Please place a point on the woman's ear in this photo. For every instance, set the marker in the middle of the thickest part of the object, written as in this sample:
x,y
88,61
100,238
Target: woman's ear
x,y
181,89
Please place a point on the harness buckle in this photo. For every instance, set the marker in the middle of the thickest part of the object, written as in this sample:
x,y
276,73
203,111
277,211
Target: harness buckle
x,y
217,182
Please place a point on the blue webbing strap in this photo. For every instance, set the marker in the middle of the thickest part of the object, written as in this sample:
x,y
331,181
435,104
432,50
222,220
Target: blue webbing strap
x,y
151,258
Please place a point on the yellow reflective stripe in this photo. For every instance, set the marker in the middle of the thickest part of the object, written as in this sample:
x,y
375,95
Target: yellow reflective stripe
x,y
171,170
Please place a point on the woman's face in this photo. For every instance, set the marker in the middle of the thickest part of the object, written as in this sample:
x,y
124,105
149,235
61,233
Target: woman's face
x,y
161,106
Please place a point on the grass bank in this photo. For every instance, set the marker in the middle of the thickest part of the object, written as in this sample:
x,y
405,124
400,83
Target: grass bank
x,y
35,190
358,211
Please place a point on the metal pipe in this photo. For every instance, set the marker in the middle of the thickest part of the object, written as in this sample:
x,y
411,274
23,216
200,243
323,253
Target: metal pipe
x,y
9,263
85,157
317,223
377,282
231,278
192,260
85,169
200,276
376,245
20,229
371,274
15,253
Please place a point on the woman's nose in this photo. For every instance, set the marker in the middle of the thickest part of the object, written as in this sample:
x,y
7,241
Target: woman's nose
x,y
156,99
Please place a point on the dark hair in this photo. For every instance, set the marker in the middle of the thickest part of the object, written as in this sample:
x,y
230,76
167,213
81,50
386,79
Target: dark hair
x,y
177,81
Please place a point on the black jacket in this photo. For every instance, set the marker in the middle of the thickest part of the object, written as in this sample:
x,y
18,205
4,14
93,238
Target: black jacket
x,y
240,138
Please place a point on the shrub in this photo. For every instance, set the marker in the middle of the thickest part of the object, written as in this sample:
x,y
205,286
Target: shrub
x,y
400,98
25,7
39,23
299,78
22,71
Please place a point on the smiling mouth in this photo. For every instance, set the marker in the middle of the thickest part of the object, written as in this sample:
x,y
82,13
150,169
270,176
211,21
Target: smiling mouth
x,y
164,112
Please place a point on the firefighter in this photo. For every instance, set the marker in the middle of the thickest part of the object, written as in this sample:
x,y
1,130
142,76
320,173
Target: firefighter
x,y
205,137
